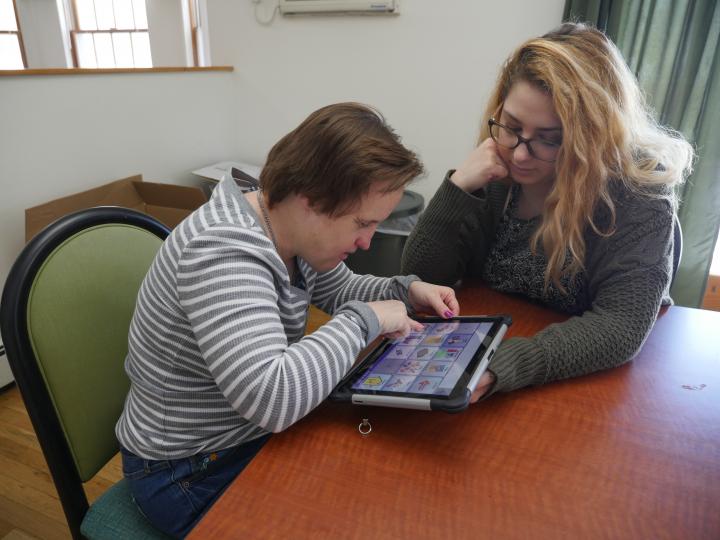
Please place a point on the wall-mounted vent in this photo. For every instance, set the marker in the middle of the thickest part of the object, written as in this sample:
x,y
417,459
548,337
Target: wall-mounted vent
x,y
296,7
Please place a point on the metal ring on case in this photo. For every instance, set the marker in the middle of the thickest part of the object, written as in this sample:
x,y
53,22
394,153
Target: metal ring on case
x,y
364,427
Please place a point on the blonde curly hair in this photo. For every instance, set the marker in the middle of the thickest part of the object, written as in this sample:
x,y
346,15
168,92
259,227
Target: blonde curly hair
x,y
609,133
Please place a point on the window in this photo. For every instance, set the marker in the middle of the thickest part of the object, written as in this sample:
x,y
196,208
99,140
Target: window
x,y
198,49
194,28
12,52
110,34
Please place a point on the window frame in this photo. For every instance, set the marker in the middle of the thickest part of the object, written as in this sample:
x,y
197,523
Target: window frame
x,y
17,33
75,31
192,11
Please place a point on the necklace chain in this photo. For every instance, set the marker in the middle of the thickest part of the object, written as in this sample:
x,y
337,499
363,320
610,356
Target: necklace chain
x,y
261,204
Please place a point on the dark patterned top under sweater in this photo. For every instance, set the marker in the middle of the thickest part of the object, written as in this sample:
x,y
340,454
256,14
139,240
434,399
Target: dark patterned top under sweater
x,y
510,251
216,352
616,300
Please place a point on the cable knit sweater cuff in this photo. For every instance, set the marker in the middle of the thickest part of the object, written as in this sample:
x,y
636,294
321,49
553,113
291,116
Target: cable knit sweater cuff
x,y
451,204
517,363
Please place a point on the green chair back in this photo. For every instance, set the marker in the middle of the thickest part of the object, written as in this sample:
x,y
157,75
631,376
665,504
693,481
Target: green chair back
x,y
78,316
65,315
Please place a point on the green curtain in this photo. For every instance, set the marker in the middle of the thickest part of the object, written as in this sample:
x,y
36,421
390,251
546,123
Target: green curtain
x,y
673,47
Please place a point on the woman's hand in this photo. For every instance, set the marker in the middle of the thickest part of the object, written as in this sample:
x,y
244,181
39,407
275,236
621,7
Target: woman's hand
x,y
429,298
486,382
393,318
482,166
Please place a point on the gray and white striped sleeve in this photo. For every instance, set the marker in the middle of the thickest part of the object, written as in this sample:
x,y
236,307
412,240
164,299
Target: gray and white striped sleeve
x,y
340,285
228,293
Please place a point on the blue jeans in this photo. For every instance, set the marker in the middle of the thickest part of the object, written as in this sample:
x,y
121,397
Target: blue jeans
x,y
175,494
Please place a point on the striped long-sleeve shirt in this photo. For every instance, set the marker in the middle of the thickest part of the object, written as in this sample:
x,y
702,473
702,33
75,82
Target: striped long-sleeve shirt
x,y
216,351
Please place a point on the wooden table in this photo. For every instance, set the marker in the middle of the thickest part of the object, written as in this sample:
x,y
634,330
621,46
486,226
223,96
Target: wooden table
x,y
632,452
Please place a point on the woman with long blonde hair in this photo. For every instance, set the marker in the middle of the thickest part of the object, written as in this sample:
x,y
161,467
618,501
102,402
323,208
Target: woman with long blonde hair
x,y
567,199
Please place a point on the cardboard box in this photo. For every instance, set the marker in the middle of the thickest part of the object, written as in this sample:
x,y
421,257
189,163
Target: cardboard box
x,y
168,203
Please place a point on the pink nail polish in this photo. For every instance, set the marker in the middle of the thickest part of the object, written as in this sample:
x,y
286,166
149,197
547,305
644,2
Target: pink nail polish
x,y
448,314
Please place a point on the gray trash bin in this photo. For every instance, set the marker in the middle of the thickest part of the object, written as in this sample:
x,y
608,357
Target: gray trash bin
x,y
383,257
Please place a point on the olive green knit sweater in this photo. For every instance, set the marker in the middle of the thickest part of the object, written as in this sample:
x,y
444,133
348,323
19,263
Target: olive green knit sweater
x,y
627,279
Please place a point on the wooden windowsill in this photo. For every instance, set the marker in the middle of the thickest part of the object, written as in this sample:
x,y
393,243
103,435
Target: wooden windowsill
x,y
104,71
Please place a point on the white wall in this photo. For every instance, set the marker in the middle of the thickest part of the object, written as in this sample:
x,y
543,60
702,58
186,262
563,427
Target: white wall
x,y
63,134
429,70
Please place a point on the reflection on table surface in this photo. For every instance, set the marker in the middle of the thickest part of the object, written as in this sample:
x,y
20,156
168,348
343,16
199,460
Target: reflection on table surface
x,y
632,452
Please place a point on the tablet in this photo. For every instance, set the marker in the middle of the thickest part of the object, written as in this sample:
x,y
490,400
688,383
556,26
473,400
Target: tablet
x,y
436,369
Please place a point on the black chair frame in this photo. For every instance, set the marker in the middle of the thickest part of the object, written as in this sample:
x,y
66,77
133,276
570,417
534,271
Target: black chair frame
x,y
13,324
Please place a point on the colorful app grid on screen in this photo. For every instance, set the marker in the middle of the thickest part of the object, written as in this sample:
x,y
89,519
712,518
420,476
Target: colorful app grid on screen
x,y
375,381
424,353
445,327
400,383
400,351
425,363
456,340
389,365
438,369
425,385
412,367
447,354
433,340
412,339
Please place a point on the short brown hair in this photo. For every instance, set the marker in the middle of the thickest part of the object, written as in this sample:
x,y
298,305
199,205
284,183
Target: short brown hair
x,y
335,156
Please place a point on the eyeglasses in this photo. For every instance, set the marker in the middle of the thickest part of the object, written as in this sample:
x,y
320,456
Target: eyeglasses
x,y
542,149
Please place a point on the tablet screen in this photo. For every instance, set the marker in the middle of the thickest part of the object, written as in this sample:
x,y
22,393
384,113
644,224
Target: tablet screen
x,y
431,362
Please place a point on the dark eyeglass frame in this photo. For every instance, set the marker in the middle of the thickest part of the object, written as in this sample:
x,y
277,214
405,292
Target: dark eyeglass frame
x,y
520,140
